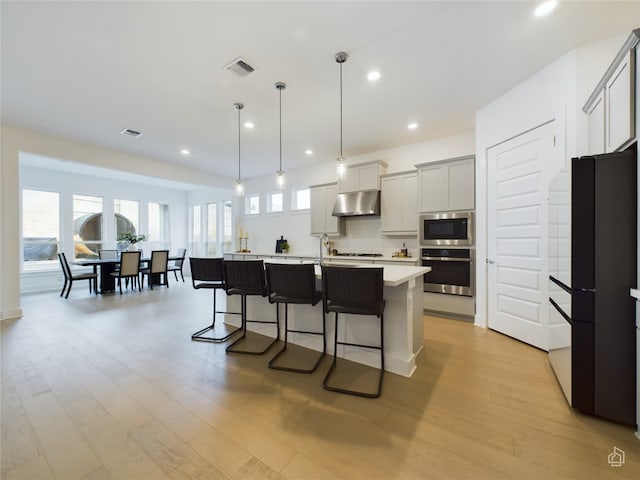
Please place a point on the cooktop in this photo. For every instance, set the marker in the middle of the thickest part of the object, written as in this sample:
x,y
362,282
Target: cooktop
x,y
349,254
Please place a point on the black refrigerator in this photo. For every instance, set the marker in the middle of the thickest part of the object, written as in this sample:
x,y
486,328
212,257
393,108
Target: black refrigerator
x,y
603,269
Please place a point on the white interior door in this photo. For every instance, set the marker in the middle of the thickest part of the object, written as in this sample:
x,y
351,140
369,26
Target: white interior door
x,y
517,232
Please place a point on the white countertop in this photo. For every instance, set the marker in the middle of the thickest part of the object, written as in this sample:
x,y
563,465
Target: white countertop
x,y
393,275
384,258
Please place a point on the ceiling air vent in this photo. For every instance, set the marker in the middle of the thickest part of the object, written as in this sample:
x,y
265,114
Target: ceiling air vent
x,y
239,67
131,133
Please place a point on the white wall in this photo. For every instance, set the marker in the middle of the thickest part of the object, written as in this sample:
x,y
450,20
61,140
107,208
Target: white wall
x,y
203,197
362,233
557,92
16,140
548,95
68,184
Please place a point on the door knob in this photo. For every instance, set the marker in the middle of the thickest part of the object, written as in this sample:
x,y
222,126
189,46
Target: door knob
x,y
491,262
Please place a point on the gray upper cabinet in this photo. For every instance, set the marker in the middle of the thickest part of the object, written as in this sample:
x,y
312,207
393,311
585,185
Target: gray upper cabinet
x,y
447,185
611,107
361,177
595,119
620,117
399,209
323,197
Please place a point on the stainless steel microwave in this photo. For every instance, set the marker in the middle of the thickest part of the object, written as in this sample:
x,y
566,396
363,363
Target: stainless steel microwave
x,y
446,229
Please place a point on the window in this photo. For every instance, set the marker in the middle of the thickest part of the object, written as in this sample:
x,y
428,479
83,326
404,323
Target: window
x,y
252,205
227,227
196,230
275,202
87,226
212,229
126,214
301,199
40,225
158,225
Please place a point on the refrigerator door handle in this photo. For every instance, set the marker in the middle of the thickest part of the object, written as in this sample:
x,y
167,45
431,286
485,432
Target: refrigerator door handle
x,y
559,283
560,310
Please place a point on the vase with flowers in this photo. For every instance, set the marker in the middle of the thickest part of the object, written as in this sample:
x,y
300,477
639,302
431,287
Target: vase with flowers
x,y
130,239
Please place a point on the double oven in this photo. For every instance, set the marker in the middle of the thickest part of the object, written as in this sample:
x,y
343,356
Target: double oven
x,y
447,246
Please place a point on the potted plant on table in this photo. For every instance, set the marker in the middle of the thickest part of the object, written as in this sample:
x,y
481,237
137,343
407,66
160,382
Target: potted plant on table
x,y
130,239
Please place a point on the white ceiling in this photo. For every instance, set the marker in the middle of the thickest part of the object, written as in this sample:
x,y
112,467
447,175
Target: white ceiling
x,y
87,70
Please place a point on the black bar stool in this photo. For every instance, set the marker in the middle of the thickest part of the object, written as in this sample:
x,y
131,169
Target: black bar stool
x,y
295,284
208,273
244,278
356,291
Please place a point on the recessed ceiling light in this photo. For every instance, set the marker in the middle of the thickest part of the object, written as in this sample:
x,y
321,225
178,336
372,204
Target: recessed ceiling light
x,y
373,75
308,152
248,125
412,126
545,8
184,151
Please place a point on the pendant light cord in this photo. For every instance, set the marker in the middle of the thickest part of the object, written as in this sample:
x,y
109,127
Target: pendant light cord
x,y
280,90
340,109
238,143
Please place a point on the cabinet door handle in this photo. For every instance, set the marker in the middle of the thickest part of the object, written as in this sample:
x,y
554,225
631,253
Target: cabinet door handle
x,y
490,262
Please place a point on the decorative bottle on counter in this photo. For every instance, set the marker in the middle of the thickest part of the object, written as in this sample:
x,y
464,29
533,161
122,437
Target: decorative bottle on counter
x,y
403,251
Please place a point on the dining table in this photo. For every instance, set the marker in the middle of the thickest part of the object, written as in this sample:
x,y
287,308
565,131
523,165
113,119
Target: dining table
x,y
104,268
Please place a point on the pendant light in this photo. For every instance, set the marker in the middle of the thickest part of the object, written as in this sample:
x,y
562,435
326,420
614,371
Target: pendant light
x,y
239,185
280,174
341,168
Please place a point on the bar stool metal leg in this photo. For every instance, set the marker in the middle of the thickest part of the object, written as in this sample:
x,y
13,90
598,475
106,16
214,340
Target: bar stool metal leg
x,y
200,334
325,382
231,348
272,363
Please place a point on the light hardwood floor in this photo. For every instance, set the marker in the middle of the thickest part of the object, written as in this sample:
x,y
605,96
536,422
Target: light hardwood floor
x,y
112,387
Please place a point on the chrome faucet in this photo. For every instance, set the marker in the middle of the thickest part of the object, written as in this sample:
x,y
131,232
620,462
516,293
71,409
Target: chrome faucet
x,y
323,237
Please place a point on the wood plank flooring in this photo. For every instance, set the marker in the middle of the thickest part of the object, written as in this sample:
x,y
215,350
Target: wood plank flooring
x,y
112,387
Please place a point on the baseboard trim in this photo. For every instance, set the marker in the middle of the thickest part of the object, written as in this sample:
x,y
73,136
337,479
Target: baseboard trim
x,y
11,314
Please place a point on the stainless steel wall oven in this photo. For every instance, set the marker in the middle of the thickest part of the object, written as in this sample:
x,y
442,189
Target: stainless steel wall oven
x,y
446,229
452,270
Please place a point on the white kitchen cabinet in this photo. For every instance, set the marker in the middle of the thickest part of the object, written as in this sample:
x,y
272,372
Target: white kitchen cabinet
x,y
415,263
323,198
611,107
399,208
448,185
361,177
619,118
340,261
449,304
595,121
332,260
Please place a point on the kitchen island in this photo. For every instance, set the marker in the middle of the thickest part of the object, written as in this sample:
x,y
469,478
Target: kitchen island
x,y
340,259
403,325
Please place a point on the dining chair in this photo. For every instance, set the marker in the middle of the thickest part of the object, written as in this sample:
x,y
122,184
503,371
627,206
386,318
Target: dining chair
x,y
129,269
157,268
108,254
70,277
357,291
176,265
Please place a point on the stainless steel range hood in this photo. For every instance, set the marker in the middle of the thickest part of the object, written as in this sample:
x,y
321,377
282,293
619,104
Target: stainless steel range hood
x,y
354,204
